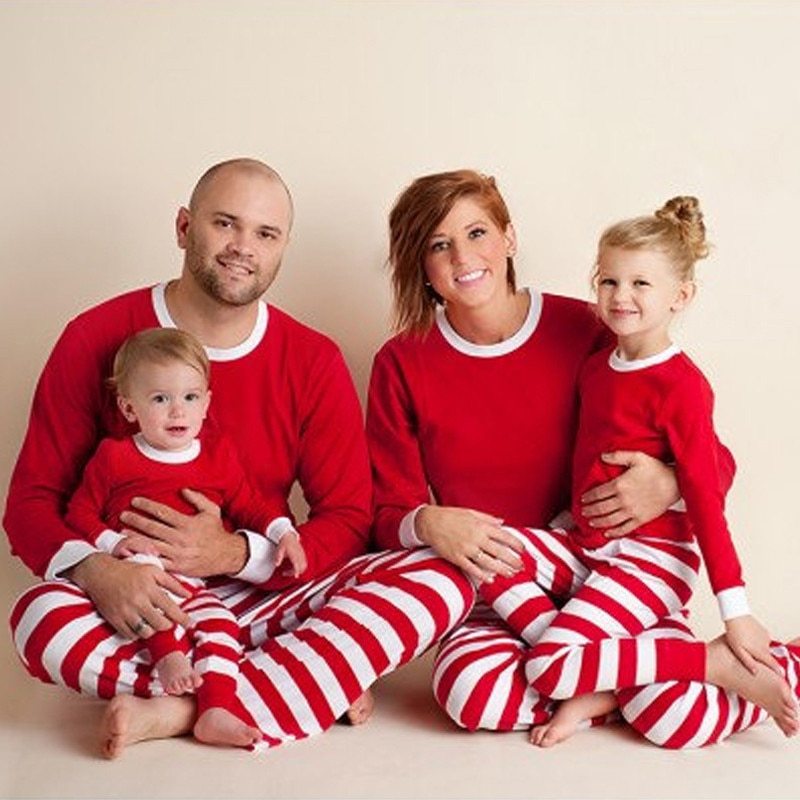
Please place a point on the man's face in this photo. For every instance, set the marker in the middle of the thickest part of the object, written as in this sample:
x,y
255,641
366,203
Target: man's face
x,y
235,235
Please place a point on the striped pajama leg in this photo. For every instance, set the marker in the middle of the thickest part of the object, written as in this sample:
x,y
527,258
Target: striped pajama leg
x,y
479,679
313,649
689,714
593,643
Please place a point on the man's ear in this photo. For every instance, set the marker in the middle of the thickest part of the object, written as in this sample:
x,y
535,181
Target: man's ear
x,y
182,226
126,407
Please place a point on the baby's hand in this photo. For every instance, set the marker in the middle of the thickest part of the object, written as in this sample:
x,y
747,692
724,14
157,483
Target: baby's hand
x,y
750,640
131,545
290,548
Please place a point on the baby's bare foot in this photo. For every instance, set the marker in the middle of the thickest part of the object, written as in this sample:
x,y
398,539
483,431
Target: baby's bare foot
x,y
220,727
177,675
764,688
128,719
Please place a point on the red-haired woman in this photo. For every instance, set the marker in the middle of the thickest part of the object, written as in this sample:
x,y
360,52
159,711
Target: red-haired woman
x,y
471,421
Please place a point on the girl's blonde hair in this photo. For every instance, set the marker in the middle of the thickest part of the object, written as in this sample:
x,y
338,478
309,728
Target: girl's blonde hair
x,y
412,222
676,229
156,346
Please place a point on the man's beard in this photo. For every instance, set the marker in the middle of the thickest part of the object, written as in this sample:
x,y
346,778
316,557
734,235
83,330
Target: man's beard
x,y
212,284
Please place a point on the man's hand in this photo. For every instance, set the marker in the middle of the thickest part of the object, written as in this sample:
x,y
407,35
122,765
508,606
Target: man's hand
x,y
127,595
643,492
471,540
196,545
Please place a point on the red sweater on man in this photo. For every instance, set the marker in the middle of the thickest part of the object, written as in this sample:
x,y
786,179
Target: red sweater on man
x,y
284,397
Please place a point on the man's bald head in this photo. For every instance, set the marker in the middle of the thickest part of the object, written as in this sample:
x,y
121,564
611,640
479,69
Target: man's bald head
x,y
247,166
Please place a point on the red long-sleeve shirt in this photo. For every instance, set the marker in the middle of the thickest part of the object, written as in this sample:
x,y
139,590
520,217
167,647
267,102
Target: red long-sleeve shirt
x,y
662,406
284,397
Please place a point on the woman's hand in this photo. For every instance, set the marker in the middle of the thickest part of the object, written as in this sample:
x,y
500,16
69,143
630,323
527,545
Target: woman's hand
x,y
471,540
645,490
750,641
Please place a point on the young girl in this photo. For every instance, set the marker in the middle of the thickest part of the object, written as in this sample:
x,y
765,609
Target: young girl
x,y
643,395
161,378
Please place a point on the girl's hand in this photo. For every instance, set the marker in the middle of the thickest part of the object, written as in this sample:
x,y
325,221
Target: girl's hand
x,y
750,640
471,540
290,548
645,490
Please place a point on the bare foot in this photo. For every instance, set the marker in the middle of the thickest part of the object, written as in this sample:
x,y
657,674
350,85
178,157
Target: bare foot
x,y
764,688
569,715
176,674
360,711
220,727
128,719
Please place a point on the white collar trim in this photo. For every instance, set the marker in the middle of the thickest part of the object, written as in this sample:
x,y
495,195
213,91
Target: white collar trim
x,y
167,456
514,342
619,364
215,353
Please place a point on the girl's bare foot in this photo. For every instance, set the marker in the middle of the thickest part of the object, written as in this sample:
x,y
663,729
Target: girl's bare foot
x,y
220,727
569,715
128,719
176,674
764,688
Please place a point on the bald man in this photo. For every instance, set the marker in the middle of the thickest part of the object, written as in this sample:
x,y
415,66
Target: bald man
x,y
283,394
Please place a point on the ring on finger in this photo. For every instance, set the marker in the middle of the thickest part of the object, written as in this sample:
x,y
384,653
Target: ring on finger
x,y
140,626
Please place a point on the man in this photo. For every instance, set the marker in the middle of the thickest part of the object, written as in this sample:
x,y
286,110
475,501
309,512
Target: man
x,y
282,392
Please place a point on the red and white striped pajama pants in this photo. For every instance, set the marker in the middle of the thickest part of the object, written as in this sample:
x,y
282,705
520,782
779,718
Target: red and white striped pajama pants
x,y
310,650
479,680
615,592
483,672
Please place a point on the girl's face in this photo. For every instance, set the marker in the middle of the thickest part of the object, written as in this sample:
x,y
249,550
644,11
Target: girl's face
x,y
465,260
169,403
638,293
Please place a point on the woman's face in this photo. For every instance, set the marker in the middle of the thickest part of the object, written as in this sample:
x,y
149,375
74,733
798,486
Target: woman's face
x,y
466,256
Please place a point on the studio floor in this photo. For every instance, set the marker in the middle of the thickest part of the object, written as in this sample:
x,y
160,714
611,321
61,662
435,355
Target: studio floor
x,y
48,749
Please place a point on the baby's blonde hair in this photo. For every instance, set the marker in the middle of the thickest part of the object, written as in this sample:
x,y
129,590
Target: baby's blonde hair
x,y
156,346
676,229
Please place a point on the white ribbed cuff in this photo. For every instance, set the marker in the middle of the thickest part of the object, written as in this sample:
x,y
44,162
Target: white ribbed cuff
x,y
108,540
260,562
69,554
733,603
407,533
278,528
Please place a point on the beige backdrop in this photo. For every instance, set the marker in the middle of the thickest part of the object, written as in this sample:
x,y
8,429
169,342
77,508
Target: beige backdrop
x,y
584,112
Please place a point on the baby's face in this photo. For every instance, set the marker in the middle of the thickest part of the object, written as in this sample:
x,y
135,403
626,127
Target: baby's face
x,y
168,401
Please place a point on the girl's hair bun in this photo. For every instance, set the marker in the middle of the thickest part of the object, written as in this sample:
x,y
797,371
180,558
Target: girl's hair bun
x,y
684,213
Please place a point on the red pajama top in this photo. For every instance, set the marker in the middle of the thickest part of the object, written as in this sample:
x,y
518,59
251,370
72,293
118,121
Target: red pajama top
x,y
662,406
284,397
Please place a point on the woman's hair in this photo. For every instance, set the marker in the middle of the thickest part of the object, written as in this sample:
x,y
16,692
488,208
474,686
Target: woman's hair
x,y
412,222
676,229
156,346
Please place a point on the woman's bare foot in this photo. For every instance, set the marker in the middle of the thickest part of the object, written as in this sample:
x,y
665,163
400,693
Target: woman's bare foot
x,y
569,715
360,711
128,719
764,688
220,727
176,674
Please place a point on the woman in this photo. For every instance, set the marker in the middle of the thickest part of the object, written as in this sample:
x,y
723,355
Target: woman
x,y
471,420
